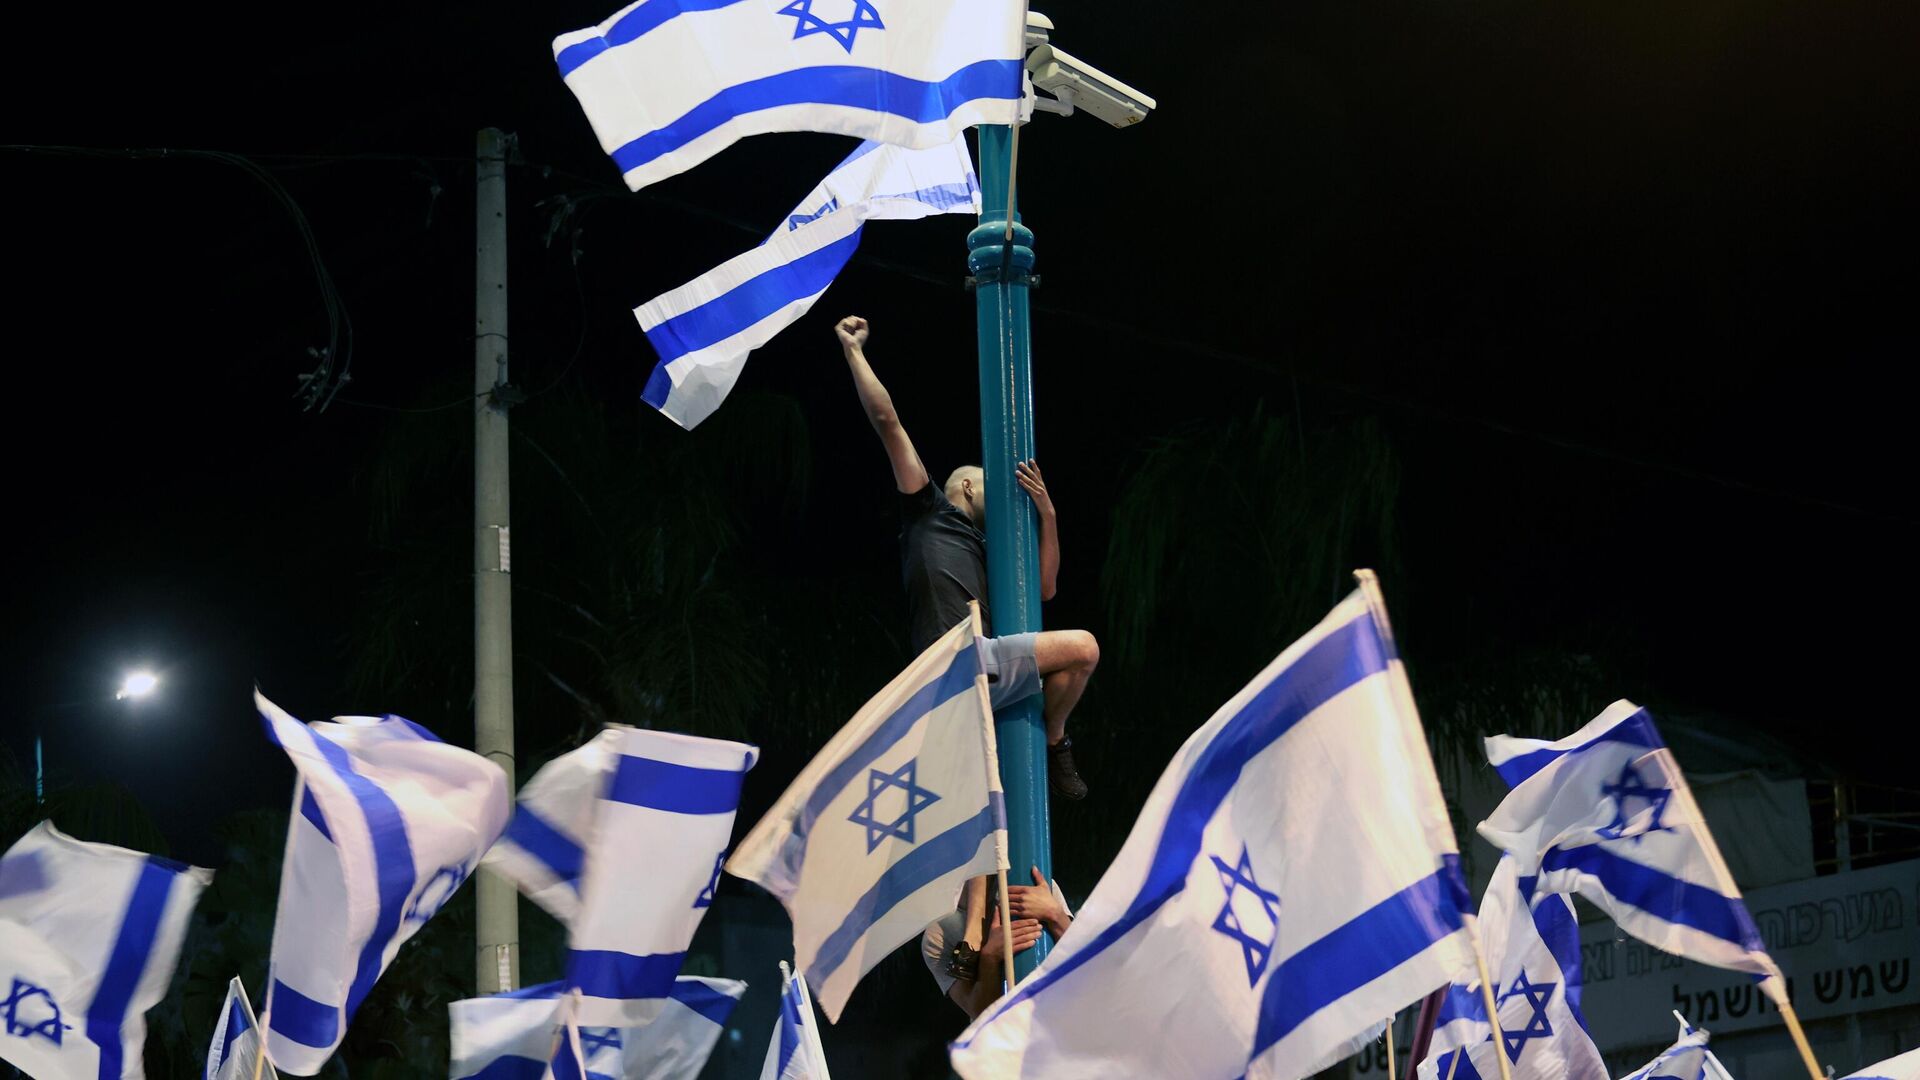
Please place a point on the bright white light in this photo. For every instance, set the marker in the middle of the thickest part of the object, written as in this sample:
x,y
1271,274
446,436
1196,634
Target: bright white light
x,y
138,685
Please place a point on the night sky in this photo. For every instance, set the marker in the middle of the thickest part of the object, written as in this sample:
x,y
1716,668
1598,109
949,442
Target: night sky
x,y
1628,286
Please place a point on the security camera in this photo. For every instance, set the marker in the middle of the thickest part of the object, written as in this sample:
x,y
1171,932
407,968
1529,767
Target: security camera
x,y
1039,27
1078,84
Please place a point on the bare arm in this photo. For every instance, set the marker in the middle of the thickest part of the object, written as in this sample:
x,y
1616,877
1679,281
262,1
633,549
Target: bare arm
x,y
1028,474
909,475
974,997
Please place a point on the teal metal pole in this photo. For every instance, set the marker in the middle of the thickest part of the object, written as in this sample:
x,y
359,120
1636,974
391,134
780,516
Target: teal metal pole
x,y
1002,275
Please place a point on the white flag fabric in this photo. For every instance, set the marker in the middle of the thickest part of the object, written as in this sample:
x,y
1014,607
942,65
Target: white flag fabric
x,y
1606,813
388,822
795,1052
1291,881
667,84
704,330
235,1050
875,837
1686,1059
545,844
89,937
1904,1067
510,1036
661,825
1532,945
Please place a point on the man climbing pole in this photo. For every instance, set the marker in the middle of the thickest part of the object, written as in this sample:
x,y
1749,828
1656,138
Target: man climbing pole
x,y
943,563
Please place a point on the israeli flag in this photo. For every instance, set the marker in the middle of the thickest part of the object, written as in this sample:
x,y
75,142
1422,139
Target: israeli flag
x,y
387,823
704,329
795,1052
878,833
1532,947
1904,1067
661,825
1686,1059
1606,813
235,1051
667,84
1291,881
89,936
512,1036
545,844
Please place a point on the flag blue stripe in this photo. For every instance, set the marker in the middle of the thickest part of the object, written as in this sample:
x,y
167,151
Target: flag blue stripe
x,y
1343,658
301,1018
635,24
941,196
1367,947
310,810
542,990
603,973
956,679
941,855
1561,932
236,1027
842,86
532,834
678,789
789,1029
1660,895
704,999
393,865
132,947
1637,730
748,303
659,384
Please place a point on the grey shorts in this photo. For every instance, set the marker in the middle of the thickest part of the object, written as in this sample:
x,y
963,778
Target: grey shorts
x,y
1012,672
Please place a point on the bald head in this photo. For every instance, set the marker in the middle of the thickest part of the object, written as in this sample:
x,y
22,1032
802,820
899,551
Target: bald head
x,y
966,488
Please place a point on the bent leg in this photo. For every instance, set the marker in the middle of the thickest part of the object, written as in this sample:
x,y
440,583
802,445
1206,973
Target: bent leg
x,y
1066,659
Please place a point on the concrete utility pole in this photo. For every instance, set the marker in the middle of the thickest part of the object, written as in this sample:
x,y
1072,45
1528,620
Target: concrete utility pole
x,y
1002,274
498,916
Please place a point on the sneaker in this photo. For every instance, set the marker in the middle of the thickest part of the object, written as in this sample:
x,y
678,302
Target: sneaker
x,y
1062,777
963,963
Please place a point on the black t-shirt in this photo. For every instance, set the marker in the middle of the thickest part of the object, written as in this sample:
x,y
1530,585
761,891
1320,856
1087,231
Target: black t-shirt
x,y
943,564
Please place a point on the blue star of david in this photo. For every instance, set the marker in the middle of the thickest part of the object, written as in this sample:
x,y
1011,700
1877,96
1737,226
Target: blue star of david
x,y
1255,949
918,799
594,1040
705,899
1537,995
48,1029
865,17
1631,785
440,889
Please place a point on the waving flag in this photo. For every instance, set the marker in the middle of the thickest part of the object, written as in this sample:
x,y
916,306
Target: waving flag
x,y
511,1036
661,825
704,329
1532,945
545,844
667,84
1606,813
235,1050
89,936
388,822
1904,1067
876,836
1686,1059
1291,881
795,1052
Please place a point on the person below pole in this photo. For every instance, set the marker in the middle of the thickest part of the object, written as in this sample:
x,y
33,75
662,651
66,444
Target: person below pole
x,y
1035,908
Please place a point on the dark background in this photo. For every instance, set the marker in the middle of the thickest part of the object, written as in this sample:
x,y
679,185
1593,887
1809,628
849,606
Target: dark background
x,y
1626,288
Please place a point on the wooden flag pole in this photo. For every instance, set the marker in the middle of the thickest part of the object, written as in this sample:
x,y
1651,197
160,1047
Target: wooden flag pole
x,y
1486,991
1800,1038
993,777
1454,1065
1391,1072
